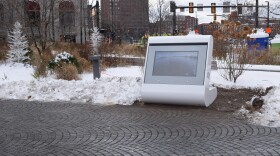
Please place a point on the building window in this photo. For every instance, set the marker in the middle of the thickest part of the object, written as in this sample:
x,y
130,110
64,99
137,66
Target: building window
x,y
66,13
32,9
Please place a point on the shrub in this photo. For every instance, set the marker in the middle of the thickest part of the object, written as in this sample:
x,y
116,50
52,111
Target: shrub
x,y
67,72
84,65
62,58
41,63
112,54
231,49
268,57
75,49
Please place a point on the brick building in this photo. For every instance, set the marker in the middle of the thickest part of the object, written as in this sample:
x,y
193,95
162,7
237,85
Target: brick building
x,y
56,20
180,24
183,24
191,22
125,17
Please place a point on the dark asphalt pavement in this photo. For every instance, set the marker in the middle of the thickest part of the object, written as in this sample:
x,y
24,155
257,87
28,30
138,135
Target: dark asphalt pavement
x,y
59,128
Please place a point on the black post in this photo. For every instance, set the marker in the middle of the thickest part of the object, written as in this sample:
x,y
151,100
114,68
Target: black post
x,y
257,14
112,16
159,18
267,13
81,21
174,22
96,66
52,11
97,14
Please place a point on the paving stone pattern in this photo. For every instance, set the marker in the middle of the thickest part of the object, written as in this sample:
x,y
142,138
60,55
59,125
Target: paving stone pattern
x,y
37,128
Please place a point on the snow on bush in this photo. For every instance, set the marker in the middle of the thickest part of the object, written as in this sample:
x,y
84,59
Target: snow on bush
x,y
18,45
62,58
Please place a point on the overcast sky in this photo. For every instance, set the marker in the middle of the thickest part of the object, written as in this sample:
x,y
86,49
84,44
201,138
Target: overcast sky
x,y
203,16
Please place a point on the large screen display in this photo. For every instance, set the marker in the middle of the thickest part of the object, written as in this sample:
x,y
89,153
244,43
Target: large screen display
x,y
175,63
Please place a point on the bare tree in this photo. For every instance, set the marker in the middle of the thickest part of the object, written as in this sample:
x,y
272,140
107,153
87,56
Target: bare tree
x,y
40,23
36,16
157,12
232,38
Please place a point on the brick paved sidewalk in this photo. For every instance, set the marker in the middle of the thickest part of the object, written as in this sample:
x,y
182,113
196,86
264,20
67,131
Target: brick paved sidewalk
x,y
36,128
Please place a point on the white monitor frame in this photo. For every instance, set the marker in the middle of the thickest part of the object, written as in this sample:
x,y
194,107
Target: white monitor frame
x,y
196,78
181,85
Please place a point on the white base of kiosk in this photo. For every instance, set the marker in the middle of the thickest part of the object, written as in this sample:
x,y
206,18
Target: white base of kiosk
x,y
178,94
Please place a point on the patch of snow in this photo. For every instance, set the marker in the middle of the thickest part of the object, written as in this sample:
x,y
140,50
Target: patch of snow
x,y
269,114
276,39
114,90
264,68
11,72
122,56
259,34
249,79
117,86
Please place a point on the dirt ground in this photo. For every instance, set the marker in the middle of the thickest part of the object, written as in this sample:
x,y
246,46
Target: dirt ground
x,y
232,99
228,100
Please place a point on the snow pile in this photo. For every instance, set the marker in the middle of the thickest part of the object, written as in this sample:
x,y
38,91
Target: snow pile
x,y
259,34
249,79
115,90
269,114
117,86
15,72
276,39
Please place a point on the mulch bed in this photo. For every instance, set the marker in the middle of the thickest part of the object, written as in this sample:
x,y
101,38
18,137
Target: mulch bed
x,y
233,99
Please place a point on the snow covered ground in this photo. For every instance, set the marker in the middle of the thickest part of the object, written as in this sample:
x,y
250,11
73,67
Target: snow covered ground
x,y
117,86
122,86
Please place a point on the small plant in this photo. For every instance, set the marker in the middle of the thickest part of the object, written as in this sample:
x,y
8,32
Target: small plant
x,y
84,65
67,72
36,75
5,77
62,58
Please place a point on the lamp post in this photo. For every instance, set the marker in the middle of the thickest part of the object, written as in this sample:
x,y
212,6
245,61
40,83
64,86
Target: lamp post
x,y
160,3
112,15
267,12
257,14
97,14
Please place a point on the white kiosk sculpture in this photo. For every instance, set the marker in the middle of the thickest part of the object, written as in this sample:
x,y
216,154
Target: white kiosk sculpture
x,y
177,70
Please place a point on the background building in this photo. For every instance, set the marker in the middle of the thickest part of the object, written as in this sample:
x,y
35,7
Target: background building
x,y
183,24
56,20
128,18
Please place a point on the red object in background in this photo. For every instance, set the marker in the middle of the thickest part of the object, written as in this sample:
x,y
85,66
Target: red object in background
x,y
32,6
268,30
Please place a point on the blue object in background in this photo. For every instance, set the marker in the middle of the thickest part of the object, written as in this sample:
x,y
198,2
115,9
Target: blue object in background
x,y
260,43
259,40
